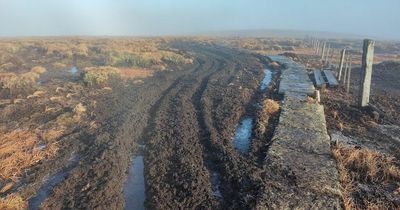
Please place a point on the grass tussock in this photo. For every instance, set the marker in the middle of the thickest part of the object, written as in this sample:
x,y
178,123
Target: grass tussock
x,y
99,76
268,109
369,179
38,70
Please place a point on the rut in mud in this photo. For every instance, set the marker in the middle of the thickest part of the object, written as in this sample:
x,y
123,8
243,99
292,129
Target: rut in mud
x,y
191,150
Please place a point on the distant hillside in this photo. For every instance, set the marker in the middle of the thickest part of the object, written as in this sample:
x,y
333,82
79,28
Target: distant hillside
x,y
282,33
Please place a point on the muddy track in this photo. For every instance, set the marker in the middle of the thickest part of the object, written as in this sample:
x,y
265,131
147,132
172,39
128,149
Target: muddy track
x,y
177,135
186,119
208,138
156,107
221,115
107,156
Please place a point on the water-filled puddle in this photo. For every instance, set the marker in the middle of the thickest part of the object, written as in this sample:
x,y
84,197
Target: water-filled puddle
x,y
73,71
241,140
216,183
41,146
134,190
267,79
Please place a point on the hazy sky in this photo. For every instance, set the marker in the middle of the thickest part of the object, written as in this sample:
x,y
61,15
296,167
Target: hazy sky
x,y
173,17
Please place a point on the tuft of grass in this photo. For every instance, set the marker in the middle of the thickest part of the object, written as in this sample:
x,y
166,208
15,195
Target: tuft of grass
x,y
99,76
18,84
38,70
364,167
269,107
79,109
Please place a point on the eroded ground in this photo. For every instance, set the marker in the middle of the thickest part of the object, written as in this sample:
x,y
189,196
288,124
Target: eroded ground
x,y
84,133
69,138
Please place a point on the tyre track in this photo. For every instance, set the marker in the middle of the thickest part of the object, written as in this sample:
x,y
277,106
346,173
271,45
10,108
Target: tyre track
x,y
238,183
192,130
186,123
177,178
108,154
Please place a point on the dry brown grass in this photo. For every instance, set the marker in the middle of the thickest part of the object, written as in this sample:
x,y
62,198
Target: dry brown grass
x,y
13,202
38,70
18,151
135,73
269,107
368,168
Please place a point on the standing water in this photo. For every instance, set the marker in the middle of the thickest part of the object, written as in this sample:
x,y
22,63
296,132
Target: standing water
x,y
46,189
73,71
216,183
241,140
267,79
134,190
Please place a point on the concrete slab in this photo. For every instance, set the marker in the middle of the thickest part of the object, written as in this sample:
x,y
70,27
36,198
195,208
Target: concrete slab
x,y
319,80
304,175
294,78
330,76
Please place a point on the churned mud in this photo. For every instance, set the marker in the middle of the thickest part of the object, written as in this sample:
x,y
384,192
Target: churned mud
x,y
164,143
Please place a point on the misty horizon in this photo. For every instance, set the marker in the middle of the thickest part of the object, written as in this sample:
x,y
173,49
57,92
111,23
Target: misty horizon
x,y
370,19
